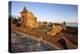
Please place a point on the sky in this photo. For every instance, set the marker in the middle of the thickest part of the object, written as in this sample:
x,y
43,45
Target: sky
x,y
47,11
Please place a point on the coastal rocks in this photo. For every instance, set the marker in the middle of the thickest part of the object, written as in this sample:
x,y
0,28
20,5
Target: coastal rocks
x,y
13,38
25,44
56,28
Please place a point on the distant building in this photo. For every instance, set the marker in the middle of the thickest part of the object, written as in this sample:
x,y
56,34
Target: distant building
x,y
28,19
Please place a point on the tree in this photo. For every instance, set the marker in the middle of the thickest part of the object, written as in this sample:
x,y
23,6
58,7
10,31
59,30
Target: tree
x,y
15,21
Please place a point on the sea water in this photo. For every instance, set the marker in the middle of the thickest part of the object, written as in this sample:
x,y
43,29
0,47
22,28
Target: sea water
x,y
72,24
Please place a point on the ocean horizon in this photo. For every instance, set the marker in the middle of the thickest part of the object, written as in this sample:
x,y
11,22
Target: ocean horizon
x,y
72,24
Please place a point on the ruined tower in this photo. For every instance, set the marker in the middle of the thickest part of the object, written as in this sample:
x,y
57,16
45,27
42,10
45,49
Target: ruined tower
x,y
28,19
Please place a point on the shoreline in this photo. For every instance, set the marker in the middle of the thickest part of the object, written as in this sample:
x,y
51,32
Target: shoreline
x,y
71,30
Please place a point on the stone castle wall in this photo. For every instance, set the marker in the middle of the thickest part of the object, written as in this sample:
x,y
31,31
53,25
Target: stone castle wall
x,y
28,19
